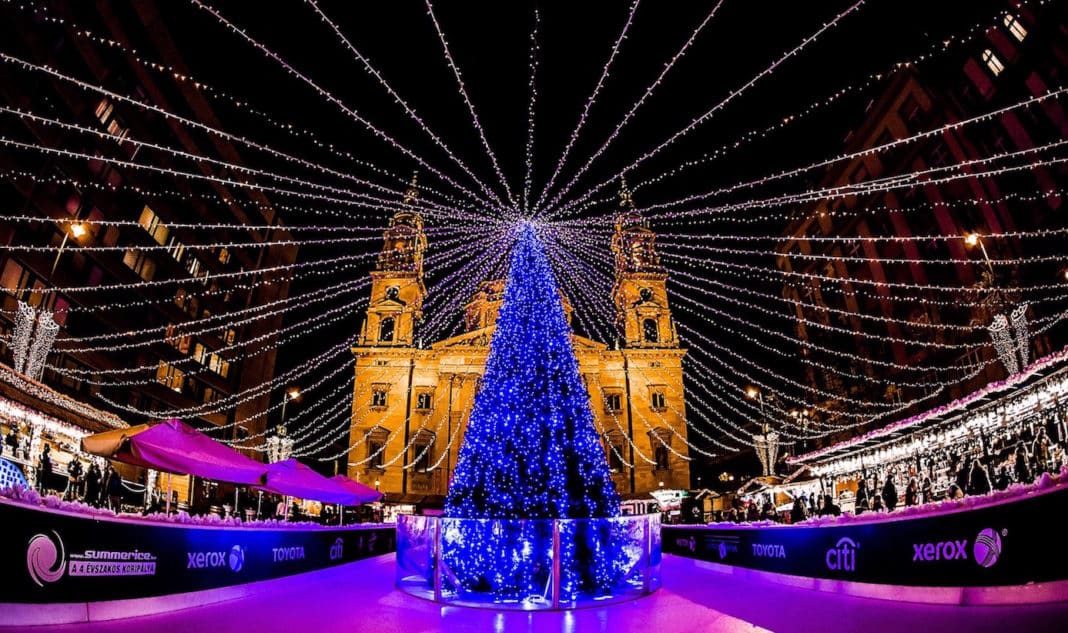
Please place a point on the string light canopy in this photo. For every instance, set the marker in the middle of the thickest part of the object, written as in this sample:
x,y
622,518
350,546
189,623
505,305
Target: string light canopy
x,y
806,289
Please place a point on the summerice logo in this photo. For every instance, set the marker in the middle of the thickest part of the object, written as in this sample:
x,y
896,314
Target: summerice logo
x,y
45,559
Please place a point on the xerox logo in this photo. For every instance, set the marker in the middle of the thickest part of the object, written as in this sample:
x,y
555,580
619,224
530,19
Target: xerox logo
x,y
843,556
687,543
769,550
45,558
337,550
986,549
284,554
943,550
235,559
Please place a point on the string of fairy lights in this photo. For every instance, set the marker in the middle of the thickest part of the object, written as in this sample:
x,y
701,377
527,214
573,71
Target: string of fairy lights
x,y
763,296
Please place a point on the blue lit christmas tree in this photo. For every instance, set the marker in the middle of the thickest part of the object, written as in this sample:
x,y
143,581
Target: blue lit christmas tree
x,y
530,450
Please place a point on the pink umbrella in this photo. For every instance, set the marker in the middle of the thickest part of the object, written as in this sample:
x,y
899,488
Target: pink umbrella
x,y
293,479
175,447
366,493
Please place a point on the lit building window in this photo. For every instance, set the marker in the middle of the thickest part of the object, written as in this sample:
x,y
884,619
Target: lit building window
x,y
663,458
385,330
170,376
650,331
376,445
140,263
153,225
993,62
1013,24
176,249
103,110
224,255
613,402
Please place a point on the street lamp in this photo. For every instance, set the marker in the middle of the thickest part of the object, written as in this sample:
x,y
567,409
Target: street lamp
x,y
291,394
974,239
767,443
76,230
753,393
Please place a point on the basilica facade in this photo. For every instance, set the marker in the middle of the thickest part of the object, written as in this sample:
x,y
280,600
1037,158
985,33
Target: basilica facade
x,y
411,402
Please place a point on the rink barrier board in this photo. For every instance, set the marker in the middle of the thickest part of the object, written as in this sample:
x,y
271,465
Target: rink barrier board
x,y
1007,552
65,560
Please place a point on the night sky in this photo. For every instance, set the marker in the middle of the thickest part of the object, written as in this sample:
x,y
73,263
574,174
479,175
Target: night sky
x,y
490,43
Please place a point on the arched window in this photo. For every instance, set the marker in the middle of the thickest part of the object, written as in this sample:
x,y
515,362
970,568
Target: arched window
x,y
385,330
993,62
645,294
1013,24
650,331
663,457
392,293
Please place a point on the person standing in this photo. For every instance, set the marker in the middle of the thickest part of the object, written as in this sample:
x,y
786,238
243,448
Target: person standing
x,y
1021,469
912,493
74,480
111,494
44,469
1040,451
1003,480
890,494
92,484
862,503
927,490
979,481
829,508
13,440
964,474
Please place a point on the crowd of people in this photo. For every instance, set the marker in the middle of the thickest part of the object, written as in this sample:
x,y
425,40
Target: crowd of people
x,y
977,465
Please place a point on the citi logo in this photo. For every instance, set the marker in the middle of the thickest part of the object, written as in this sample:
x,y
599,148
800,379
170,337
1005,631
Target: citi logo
x,y
843,556
945,550
769,550
234,559
45,559
337,550
283,554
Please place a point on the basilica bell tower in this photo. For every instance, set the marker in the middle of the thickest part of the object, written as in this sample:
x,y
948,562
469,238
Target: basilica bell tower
x,y
397,288
643,318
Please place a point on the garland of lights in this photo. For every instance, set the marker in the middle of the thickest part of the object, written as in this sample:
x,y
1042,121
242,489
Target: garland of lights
x,y
471,111
719,106
351,113
637,104
371,70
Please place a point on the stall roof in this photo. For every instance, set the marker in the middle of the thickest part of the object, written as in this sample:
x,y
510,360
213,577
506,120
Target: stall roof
x,y
40,397
1037,373
175,447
